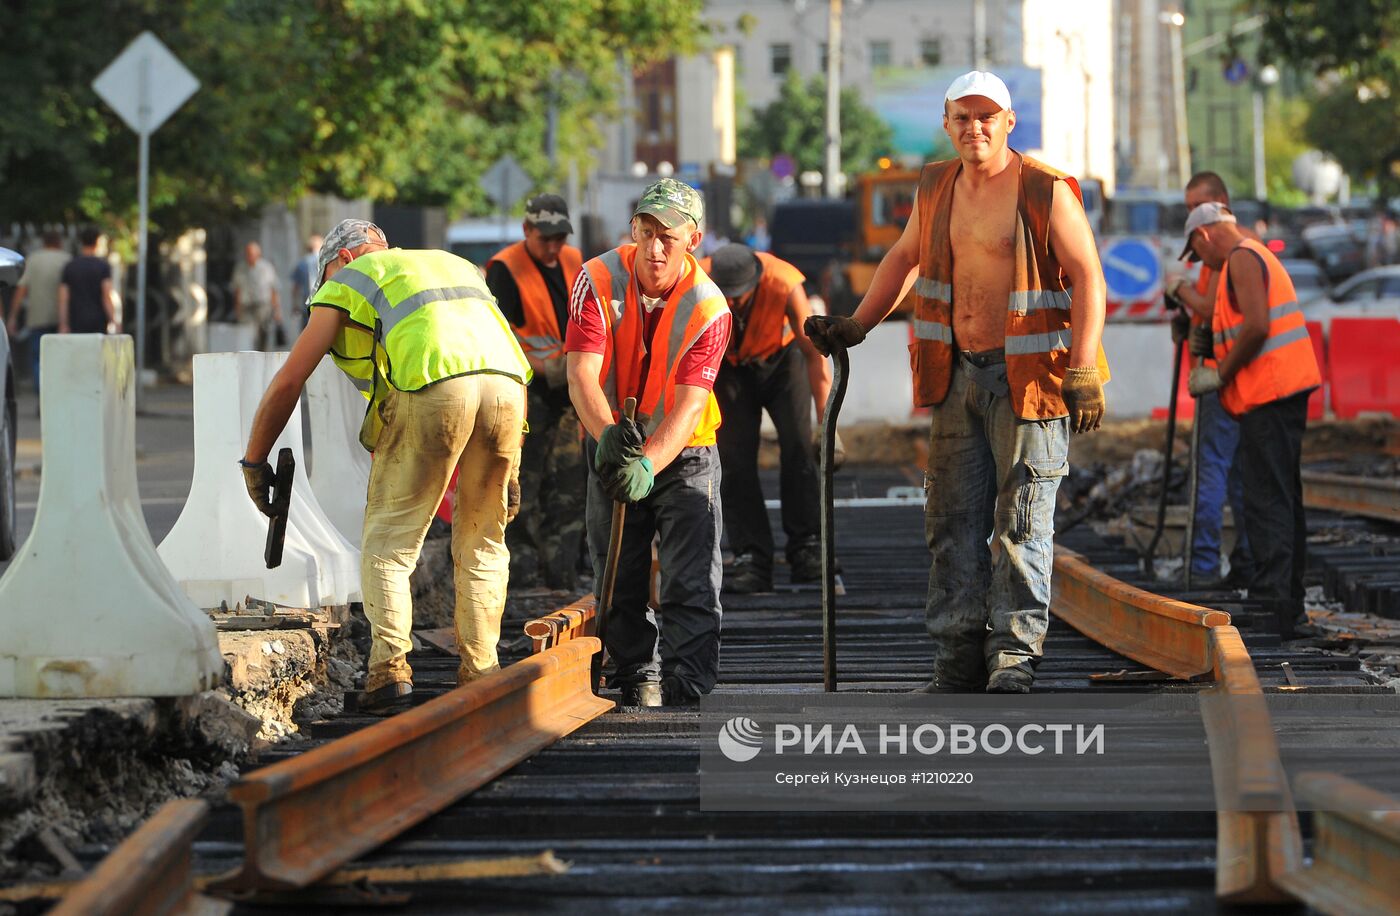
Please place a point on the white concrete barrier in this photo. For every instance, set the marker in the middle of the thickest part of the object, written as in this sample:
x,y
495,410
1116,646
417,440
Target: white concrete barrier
x,y
87,608
215,550
881,386
339,463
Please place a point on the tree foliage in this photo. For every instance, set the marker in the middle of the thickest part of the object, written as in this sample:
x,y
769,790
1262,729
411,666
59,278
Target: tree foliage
x,y
795,123
1354,49
399,100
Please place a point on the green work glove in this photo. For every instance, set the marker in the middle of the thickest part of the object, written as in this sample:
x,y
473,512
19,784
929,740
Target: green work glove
x,y
620,443
632,482
829,333
1082,390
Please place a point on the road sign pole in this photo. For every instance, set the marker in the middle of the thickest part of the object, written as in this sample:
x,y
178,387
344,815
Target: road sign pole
x,y
143,192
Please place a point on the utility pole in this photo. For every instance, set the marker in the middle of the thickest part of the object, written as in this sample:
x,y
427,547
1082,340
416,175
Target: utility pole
x,y
1176,22
834,183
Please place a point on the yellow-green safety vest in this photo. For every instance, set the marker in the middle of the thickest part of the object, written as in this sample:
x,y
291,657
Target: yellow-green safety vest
x,y
415,318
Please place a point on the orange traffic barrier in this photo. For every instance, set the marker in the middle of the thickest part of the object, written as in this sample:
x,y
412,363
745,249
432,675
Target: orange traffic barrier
x,y
572,622
1167,635
1317,401
149,873
1365,372
1356,848
307,816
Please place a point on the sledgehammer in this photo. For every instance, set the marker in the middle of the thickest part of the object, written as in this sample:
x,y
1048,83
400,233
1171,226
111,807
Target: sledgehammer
x,y
840,374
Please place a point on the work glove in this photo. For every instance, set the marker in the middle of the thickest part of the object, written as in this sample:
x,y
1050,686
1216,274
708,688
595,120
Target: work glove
x,y
1083,393
621,442
632,482
829,333
1204,380
1181,326
513,495
556,373
1202,341
260,479
838,452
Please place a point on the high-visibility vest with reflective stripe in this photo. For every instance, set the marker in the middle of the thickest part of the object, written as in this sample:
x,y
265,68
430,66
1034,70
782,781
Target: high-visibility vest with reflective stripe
x,y
1286,364
415,318
1038,309
695,303
540,335
766,328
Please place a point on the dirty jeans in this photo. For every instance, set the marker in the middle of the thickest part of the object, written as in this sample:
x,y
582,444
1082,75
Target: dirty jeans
x,y
683,509
991,477
1218,480
471,423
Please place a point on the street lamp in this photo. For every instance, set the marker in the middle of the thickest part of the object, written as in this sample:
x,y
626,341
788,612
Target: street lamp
x,y
1176,21
1267,76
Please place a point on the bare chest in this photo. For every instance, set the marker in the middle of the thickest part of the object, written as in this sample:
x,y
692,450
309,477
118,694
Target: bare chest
x,y
983,227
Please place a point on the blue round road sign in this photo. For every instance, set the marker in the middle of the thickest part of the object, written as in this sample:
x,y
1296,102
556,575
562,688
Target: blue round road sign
x,y
1131,268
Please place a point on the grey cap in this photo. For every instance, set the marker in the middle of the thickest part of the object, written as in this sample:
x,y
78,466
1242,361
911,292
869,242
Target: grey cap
x,y
348,233
549,214
1204,215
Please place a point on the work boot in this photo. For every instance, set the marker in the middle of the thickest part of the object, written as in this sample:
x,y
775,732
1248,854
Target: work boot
x,y
746,577
1010,680
647,693
675,692
937,685
387,700
805,562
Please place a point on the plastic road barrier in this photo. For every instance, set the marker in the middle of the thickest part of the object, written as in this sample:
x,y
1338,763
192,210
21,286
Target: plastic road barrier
x,y
339,463
1365,372
87,608
215,550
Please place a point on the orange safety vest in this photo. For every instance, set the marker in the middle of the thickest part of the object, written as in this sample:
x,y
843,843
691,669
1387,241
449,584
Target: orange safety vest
x,y
540,336
766,328
1286,364
694,305
1038,309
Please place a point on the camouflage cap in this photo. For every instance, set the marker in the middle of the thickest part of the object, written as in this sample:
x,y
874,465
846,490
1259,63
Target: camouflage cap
x,y
672,202
348,233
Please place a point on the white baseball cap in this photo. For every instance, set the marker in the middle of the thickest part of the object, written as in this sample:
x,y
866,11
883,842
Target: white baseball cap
x,y
1205,214
979,82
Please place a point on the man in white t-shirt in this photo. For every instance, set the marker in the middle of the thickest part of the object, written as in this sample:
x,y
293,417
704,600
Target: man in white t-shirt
x,y
255,299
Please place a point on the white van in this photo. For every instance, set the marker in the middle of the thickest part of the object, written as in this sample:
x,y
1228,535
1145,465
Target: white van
x,y
478,239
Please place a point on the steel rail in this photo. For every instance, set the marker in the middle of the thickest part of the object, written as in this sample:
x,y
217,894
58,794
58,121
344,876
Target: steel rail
x,y
1167,635
306,816
571,622
148,874
1356,848
1373,497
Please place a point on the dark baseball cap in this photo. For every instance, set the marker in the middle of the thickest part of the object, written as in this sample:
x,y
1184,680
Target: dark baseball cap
x,y
735,269
549,214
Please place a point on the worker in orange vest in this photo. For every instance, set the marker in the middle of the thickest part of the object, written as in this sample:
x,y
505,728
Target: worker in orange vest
x,y
531,281
772,366
1265,369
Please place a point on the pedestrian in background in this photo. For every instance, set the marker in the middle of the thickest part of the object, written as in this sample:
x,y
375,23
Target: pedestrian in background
x,y
646,322
531,280
1217,465
87,303
1265,370
43,273
770,366
301,277
1008,360
255,299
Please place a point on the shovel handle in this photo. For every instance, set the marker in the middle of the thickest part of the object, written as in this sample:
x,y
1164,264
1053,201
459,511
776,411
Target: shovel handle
x,y
609,583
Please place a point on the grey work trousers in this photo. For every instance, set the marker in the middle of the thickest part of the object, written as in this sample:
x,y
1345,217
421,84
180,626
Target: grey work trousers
x,y
683,510
989,519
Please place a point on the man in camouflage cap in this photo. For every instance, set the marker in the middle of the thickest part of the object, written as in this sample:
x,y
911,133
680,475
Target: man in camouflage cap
x,y
646,322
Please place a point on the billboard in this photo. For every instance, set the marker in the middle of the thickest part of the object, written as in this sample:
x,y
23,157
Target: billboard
x,y
911,101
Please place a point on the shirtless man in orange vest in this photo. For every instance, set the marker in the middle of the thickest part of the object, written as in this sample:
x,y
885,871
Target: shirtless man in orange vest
x,y
1008,360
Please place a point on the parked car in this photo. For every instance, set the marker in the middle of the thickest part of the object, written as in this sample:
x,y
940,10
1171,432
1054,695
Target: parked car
x,y
1374,293
1335,249
479,239
11,269
1309,282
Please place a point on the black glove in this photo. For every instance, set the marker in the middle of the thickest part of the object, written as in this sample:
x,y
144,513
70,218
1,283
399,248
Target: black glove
x,y
1202,342
1181,326
619,443
829,333
260,480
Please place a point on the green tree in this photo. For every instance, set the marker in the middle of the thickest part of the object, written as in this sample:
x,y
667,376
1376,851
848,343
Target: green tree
x,y
795,123
406,100
1354,49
